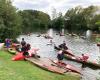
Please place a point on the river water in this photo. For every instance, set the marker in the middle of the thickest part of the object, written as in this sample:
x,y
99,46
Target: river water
x,y
76,44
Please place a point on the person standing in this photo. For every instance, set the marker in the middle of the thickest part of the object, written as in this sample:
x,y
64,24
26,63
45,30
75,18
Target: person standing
x,y
7,43
23,44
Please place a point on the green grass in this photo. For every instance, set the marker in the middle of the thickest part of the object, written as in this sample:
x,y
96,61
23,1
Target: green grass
x,y
97,39
23,70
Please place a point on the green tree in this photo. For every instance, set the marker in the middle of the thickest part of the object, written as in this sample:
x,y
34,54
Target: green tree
x,y
33,19
83,18
58,22
10,21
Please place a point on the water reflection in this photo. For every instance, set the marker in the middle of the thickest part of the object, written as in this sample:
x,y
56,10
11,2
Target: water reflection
x,y
77,45
50,32
88,34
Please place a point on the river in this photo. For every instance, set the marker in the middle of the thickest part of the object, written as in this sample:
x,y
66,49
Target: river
x,y
76,44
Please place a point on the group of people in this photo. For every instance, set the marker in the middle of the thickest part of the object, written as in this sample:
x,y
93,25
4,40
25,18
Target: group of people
x,y
61,52
25,47
8,42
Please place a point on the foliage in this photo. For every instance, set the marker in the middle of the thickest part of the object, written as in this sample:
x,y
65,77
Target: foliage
x,y
10,21
33,19
97,39
58,22
23,70
83,18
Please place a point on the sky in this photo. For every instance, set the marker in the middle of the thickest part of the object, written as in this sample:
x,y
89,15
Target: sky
x,y
47,6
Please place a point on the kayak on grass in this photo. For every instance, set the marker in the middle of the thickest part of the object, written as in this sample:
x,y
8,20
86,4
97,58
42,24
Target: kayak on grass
x,y
20,56
12,50
46,64
68,67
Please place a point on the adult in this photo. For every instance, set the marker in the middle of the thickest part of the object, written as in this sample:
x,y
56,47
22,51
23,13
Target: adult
x,y
63,46
84,57
7,43
25,49
23,44
60,56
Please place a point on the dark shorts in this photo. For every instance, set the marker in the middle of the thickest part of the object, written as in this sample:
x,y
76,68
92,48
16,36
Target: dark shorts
x,y
25,53
60,56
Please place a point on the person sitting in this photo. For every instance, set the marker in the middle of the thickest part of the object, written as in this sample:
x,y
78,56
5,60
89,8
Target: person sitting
x,y
25,50
84,57
60,56
63,46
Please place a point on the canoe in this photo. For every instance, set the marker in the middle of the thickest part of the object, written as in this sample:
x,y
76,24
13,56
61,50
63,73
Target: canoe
x,y
12,50
87,63
46,64
1,45
68,67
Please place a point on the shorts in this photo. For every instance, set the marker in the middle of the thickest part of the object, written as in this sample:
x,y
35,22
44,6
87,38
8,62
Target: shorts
x,y
60,57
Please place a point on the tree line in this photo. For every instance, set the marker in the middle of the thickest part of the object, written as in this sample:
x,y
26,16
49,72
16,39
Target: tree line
x,y
13,22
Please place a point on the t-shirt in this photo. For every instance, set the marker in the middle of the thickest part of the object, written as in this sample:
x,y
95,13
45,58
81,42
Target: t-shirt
x,y
23,43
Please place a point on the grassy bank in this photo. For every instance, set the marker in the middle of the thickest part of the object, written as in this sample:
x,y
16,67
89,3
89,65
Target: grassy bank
x,y
23,70
97,39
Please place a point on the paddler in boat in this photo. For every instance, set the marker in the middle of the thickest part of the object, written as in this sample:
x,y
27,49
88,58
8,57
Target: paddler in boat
x,y
50,42
84,57
60,56
63,46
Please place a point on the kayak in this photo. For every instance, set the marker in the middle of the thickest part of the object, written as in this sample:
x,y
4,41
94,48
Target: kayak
x,y
12,50
46,64
68,52
20,56
98,44
1,45
15,44
77,59
68,67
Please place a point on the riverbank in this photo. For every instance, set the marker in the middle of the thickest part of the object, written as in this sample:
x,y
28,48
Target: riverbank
x,y
23,70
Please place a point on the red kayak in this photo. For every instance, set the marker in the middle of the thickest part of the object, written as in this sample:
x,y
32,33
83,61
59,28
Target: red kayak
x,y
77,59
20,56
68,67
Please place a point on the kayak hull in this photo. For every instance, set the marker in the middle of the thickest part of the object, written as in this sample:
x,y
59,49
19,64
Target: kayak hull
x,y
46,64
12,50
87,63
68,67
